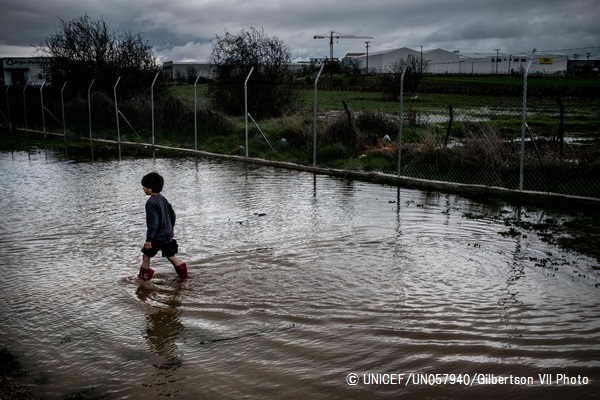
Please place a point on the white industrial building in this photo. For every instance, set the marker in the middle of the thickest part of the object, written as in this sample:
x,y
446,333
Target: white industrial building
x,y
28,70
187,70
23,70
505,63
440,61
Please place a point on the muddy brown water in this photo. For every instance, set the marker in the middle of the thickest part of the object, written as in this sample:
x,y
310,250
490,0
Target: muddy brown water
x,y
300,286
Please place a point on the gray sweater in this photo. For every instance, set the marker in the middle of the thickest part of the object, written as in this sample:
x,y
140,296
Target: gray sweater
x,y
160,219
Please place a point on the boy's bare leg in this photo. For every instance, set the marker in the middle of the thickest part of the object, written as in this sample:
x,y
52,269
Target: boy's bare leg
x,y
145,261
174,261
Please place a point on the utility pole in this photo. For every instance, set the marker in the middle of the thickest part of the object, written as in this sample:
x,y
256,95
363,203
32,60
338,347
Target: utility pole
x,y
335,35
588,58
367,42
497,50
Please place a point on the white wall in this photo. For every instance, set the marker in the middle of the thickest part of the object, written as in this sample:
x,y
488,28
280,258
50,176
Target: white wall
x,y
29,68
383,61
176,70
441,61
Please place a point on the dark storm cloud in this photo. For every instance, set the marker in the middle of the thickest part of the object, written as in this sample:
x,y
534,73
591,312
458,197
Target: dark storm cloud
x,y
182,30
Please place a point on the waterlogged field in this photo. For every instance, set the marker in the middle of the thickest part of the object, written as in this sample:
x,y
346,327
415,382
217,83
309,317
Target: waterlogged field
x,y
300,285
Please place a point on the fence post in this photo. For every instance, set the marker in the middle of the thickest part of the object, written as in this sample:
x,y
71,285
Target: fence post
x,y
315,116
117,111
246,106
524,122
196,114
400,121
25,106
43,114
90,107
62,102
152,100
8,110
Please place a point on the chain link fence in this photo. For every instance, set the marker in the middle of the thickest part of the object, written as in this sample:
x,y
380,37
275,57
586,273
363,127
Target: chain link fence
x,y
516,132
511,129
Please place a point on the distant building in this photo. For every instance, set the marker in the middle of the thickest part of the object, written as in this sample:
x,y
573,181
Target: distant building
x,y
384,61
504,63
21,71
440,61
186,71
584,66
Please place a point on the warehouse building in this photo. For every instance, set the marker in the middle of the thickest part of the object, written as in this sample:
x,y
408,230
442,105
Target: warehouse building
x,y
440,61
503,63
186,71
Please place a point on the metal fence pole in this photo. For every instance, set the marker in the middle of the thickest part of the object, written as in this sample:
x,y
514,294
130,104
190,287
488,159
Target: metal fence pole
x,y
315,116
152,100
25,106
90,107
524,122
246,106
43,114
117,117
8,110
117,111
196,114
400,122
62,102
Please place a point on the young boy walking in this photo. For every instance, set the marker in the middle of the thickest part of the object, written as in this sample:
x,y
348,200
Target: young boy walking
x,y
160,220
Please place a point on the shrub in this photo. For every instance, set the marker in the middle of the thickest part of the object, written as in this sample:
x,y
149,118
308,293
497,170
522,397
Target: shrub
x,y
373,126
340,130
483,148
212,122
173,113
137,111
298,130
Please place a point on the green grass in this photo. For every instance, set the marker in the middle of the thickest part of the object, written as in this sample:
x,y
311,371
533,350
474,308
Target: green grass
x,y
532,80
187,92
332,101
425,123
581,114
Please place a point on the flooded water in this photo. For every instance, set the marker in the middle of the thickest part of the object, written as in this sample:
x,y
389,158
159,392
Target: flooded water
x,y
297,282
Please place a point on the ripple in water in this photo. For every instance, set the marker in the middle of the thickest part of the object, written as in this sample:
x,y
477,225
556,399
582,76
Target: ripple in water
x,y
295,282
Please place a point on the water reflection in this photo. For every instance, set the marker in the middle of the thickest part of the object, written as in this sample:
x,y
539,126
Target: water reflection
x,y
163,328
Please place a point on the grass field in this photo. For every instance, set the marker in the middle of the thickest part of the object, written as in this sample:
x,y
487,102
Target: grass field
x,y
485,111
493,104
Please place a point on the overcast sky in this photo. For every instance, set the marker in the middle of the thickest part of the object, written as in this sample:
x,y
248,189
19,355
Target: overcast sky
x,y
182,30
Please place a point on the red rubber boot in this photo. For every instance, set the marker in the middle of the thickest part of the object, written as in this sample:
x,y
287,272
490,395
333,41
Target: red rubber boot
x,y
182,271
145,274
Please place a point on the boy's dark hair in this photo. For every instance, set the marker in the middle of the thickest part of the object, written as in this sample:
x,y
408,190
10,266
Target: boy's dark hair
x,y
153,181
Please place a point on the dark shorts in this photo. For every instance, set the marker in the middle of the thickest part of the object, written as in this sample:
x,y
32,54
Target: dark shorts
x,y
167,249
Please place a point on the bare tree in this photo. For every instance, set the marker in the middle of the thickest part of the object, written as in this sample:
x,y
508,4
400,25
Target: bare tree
x,y
84,49
353,66
414,71
271,88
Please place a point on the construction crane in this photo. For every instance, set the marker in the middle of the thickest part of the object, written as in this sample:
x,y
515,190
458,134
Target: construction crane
x,y
335,35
